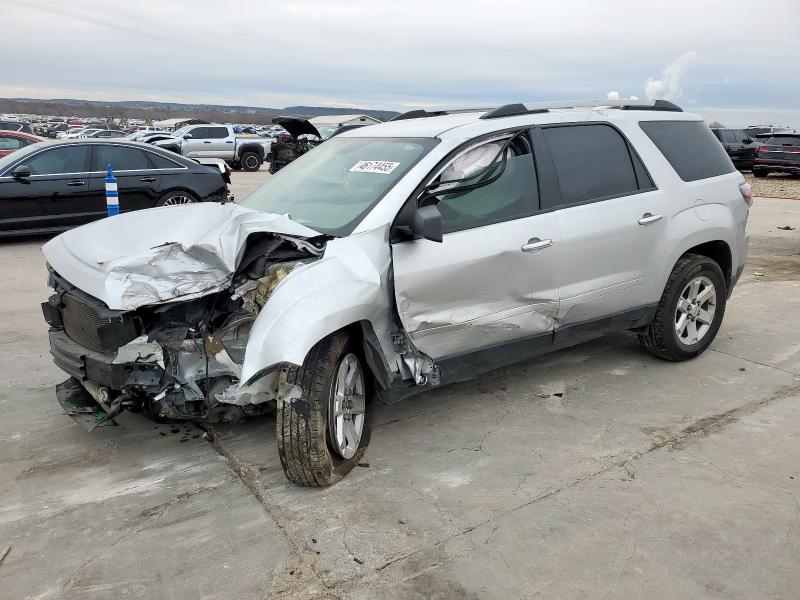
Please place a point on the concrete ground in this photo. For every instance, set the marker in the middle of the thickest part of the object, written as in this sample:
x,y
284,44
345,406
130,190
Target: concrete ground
x,y
596,472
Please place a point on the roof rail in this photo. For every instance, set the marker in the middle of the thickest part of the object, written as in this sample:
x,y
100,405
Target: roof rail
x,y
421,113
527,108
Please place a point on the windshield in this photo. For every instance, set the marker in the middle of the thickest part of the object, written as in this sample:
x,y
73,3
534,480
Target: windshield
x,y
182,130
332,187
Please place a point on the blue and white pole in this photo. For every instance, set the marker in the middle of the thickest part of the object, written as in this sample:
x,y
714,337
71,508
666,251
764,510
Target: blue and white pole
x,y
112,194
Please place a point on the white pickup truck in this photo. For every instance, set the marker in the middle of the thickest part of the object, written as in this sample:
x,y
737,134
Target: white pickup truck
x,y
219,141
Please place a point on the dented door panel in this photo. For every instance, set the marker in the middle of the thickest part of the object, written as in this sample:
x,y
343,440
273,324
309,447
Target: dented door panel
x,y
477,288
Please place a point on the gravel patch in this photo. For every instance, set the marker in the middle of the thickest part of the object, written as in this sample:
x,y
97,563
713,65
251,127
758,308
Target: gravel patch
x,y
775,186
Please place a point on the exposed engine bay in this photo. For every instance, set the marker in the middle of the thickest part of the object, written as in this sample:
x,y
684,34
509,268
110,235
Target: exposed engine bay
x,y
179,360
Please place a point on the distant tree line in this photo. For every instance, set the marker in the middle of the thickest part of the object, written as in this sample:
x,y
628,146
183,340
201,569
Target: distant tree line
x,y
63,109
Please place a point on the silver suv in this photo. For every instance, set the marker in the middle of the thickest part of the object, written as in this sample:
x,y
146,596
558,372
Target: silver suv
x,y
397,258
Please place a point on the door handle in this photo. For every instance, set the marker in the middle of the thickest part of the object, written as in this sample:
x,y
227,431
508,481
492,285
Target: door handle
x,y
148,179
648,218
76,183
229,142
206,142
535,244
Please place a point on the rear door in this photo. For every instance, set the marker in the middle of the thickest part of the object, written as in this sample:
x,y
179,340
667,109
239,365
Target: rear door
x,y
138,181
491,280
612,221
56,195
222,142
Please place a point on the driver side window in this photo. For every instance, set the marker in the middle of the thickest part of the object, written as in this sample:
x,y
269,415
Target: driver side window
x,y
512,195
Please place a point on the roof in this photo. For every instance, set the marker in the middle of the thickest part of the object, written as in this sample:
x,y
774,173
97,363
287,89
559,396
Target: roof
x,y
174,122
469,124
339,120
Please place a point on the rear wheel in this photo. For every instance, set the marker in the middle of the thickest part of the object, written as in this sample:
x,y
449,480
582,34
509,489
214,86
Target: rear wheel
x,y
251,161
690,311
759,173
324,432
175,198
236,166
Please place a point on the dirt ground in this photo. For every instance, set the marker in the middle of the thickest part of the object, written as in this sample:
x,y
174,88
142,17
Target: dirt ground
x,y
776,185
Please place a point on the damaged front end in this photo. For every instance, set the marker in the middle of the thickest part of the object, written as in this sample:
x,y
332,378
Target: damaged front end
x,y
175,360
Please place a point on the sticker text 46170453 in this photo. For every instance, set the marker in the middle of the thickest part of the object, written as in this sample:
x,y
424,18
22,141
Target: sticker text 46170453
x,y
374,166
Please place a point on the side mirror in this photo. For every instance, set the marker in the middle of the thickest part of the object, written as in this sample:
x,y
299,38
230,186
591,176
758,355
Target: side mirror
x,y
747,141
21,172
427,223
188,136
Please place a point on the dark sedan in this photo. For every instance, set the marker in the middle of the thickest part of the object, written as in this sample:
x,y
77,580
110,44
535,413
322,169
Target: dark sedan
x,y
779,154
52,186
740,148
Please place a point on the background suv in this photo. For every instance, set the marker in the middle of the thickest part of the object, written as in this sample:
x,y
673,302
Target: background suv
x,y
740,148
399,257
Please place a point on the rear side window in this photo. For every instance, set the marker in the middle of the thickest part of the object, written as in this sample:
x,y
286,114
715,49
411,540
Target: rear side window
x,y
161,162
217,133
593,162
10,143
121,158
728,137
690,148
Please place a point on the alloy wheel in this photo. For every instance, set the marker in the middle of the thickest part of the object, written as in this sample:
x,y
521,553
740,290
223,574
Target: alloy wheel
x,y
695,312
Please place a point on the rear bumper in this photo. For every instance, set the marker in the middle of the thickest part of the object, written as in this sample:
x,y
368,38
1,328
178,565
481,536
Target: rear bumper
x,y
85,364
773,167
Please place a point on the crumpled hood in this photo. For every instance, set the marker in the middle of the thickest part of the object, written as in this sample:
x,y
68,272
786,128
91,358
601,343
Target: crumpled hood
x,y
157,255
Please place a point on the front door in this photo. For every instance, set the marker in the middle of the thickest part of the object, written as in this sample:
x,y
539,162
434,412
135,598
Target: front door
x,y
491,280
56,195
198,145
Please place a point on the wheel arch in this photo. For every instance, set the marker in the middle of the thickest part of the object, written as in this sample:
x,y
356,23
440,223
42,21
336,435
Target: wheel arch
x,y
257,148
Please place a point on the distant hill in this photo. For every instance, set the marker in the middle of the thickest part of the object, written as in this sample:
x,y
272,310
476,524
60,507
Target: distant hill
x,y
154,110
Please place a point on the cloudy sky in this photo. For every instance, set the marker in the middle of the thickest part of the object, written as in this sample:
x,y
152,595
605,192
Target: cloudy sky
x,y
722,58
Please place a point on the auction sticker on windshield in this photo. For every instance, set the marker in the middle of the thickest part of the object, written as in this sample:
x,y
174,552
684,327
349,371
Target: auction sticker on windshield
x,y
374,166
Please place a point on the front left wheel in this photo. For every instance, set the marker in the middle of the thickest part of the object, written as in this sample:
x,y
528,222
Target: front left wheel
x,y
323,428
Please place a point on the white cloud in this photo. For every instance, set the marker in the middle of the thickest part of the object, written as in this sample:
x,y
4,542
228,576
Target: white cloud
x,y
669,86
612,95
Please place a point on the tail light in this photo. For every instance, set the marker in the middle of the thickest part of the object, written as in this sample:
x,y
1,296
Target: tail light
x,y
747,193
762,149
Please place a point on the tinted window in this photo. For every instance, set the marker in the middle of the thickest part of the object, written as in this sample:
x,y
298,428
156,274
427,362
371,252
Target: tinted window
x,y
161,162
217,132
740,136
121,158
199,133
513,195
66,159
10,143
10,125
784,140
717,133
690,148
728,137
591,162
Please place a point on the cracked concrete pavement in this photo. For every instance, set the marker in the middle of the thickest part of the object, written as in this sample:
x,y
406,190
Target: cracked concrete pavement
x,y
595,472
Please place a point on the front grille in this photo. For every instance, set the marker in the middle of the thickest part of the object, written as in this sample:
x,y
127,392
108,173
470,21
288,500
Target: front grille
x,y
82,323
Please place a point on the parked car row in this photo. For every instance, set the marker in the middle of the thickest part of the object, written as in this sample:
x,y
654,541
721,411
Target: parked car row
x,y
51,186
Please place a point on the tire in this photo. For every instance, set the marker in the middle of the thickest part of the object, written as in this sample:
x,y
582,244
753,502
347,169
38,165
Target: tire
x,y
661,337
305,433
251,161
176,198
759,173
